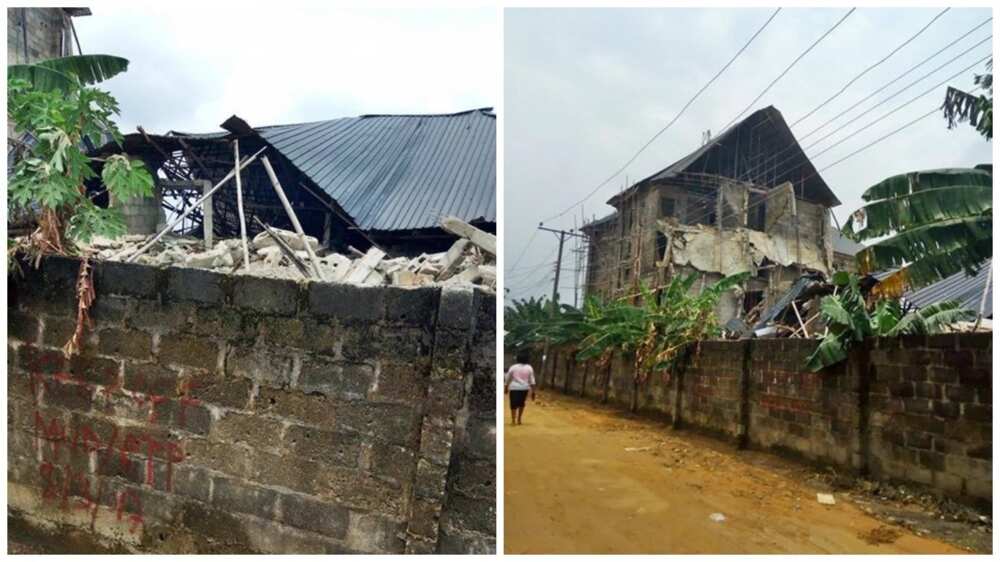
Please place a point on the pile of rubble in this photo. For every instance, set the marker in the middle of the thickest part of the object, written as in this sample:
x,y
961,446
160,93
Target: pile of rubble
x,y
283,254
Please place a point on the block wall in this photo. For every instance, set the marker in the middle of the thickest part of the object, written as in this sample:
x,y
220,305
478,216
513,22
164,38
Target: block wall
x,y
215,413
914,408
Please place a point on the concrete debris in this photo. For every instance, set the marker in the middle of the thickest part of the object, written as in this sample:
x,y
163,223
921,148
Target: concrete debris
x,y
734,250
262,240
484,240
465,263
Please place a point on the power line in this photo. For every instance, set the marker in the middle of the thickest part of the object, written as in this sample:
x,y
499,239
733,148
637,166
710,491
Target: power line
x,y
882,138
534,233
911,100
872,67
898,78
852,134
749,173
794,62
674,120
908,86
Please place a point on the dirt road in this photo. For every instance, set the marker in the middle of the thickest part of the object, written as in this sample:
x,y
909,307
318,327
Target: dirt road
x,y
579,478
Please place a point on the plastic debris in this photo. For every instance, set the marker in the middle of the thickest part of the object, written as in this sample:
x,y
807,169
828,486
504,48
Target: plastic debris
x,y
826,499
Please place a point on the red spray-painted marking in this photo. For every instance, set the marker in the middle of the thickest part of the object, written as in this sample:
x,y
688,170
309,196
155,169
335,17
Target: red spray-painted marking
x,y
128,502
135,517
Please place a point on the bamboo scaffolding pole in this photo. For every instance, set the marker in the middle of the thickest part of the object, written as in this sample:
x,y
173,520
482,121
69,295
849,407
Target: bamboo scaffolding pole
x,y
292,217
239,205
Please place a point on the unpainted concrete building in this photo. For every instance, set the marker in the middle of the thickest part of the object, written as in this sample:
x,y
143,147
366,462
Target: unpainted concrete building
x,y
748,200
35,34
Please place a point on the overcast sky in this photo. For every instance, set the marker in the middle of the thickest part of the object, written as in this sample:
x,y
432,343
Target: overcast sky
x,y
585,88
194,65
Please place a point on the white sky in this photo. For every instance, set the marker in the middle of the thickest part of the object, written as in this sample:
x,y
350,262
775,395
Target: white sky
x,y
585,88
192,65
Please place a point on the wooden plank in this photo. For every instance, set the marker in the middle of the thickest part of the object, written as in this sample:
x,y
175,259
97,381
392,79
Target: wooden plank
x,y
292,216
484,240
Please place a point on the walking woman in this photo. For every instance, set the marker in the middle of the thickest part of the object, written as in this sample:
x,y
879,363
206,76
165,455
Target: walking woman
x,y
518,382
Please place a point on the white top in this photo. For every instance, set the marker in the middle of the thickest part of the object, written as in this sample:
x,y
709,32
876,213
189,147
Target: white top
x,y
520,376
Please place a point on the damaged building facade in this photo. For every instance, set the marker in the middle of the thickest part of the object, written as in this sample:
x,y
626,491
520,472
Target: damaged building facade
x,y
372,180
748,200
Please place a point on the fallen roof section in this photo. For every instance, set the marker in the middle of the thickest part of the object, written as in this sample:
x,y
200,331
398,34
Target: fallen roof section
x,y
961,287
388,172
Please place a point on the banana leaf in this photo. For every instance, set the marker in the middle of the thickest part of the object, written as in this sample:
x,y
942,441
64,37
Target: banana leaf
x,y
912,182
66,73
932,318
897,214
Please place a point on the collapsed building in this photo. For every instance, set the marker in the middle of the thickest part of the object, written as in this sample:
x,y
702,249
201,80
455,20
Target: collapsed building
x,y
372,180
749,200
319,402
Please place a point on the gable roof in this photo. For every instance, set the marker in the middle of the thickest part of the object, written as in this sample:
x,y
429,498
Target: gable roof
x,y
762,135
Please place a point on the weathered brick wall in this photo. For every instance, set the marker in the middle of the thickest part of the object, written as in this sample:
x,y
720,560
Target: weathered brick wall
x,y
913,408
932,412
213,413
811,415
710,388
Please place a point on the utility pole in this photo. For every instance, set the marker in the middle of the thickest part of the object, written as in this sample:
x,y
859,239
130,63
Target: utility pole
x,y
562,239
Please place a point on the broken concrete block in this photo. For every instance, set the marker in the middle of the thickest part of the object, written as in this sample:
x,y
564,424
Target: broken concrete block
x,y
373,279
388,266
429,269
220,256
262,240
488,274
403,278
335,266
363,267
458,227
466,276
453,258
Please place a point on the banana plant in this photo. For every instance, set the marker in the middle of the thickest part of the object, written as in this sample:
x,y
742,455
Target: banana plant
x,y
930,225
849,321
659,327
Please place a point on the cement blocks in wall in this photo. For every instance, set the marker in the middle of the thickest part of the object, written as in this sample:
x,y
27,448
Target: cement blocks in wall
x,y
244,414
917,409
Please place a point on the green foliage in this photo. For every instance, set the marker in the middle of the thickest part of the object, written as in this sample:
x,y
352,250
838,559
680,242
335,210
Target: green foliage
x,y
49,176
655,329
848,320
959,106
938,222
67,74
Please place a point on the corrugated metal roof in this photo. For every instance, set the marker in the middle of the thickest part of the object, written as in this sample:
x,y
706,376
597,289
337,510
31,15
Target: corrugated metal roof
x,y
966,289
397,172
